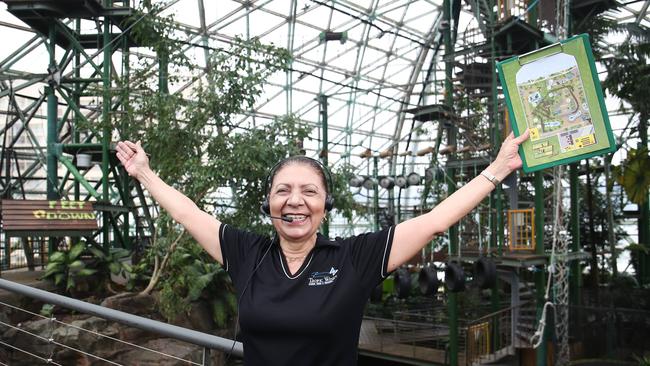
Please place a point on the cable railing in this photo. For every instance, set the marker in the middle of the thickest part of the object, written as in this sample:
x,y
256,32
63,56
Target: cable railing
x,y
490,335
416,340
45,335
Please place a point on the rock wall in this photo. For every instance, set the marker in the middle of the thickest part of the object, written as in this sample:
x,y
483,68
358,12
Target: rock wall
x,y
79,339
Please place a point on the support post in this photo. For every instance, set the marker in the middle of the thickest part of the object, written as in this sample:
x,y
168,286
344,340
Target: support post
x,y
375,189
576,274
106,121
451,172
322,102
52,135
644,210
540,283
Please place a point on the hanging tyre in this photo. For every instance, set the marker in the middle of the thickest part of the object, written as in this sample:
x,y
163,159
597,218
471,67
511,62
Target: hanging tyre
x,y
485,272
402,279
454,277
428,281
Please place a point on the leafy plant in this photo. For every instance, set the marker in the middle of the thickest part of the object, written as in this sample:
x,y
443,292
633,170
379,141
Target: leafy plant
x,y
643,361
190,277
64,267
190,119
47,310
114,262
634,175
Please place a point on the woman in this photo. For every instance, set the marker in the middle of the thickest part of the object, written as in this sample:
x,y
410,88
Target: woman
x,y
301,296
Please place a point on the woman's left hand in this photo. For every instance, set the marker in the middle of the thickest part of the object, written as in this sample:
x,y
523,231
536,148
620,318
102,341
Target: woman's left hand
x,y
508,159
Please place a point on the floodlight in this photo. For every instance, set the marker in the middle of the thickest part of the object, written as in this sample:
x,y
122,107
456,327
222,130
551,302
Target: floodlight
x,y
387,182
414,179
356,181
401,181
369,183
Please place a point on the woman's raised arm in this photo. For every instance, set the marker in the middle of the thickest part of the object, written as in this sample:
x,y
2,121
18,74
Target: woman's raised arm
x,y
201,225
412,235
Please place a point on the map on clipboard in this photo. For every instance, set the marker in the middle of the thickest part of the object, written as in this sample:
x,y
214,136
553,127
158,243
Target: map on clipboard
x,y
555,92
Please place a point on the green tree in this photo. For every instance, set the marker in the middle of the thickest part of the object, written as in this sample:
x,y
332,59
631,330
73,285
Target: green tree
x,y
191,127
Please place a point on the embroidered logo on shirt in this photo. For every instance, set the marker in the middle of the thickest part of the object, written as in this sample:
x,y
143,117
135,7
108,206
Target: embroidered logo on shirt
x,y
323,278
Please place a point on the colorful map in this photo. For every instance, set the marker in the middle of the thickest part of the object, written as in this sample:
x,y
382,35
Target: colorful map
x,y
555,106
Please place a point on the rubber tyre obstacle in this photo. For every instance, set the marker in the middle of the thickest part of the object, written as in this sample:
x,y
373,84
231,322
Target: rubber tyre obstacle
x,y
428,281
485,273
454,277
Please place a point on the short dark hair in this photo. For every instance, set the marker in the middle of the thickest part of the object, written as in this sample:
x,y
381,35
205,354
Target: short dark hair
x,y
300,159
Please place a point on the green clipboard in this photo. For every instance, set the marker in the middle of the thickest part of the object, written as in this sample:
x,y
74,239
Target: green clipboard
x,y
555,92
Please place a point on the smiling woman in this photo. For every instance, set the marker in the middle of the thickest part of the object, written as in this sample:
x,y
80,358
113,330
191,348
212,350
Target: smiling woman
x,y
300,295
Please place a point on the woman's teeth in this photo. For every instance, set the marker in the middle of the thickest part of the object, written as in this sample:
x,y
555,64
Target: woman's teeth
x,y
297,217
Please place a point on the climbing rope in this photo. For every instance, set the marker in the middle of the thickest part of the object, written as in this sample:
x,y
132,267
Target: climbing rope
x,y
558,270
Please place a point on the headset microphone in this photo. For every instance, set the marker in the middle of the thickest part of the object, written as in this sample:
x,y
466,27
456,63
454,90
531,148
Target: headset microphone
x,y
283,218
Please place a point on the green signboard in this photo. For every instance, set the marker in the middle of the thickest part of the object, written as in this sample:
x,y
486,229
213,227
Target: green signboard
x,y
555,92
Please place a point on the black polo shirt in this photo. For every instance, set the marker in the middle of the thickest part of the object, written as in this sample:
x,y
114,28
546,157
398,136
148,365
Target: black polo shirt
x,y
311,317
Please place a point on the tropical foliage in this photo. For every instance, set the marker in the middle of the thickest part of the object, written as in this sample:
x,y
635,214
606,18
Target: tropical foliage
x,y
192,128
66,267
634,175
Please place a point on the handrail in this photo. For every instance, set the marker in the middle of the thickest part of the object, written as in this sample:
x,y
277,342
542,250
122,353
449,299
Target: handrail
x,y
486,317
173,331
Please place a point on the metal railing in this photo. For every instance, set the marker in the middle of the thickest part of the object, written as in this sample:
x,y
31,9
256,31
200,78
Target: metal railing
x,y
420,338
491,336
206,341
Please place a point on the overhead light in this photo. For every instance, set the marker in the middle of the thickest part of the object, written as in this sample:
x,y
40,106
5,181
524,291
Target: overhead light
x,y
84,161
327,36
356,181
401,181
387,182
414,179
369,183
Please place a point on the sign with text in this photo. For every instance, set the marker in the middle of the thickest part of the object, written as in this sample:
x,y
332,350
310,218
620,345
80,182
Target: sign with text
x,y
48,218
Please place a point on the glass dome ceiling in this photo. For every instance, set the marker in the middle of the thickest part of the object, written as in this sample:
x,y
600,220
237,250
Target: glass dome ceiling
x,y
372,60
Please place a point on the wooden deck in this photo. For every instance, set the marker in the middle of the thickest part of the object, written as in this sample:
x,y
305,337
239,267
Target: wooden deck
x,y
376,340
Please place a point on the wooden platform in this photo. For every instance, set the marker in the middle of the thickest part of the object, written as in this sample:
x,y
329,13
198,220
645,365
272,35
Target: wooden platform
x,y
376,342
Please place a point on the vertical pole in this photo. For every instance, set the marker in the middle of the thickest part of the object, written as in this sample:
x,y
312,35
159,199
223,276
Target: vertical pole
x,y
540,282
495,200
594,272
52,135
76,97
451,185
375,188
576,273
644,210
126,200
106,121
324,151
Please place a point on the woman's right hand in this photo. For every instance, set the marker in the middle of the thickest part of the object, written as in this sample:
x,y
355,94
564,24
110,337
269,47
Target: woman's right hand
x,y
132,157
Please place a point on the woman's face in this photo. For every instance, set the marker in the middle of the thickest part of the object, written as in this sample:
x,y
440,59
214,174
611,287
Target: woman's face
x,y
297,192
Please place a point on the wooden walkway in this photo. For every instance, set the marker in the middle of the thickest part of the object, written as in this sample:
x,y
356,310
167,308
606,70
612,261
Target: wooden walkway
x,y
377,337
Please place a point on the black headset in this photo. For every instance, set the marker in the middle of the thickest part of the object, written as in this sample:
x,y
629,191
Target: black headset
x,y
329,200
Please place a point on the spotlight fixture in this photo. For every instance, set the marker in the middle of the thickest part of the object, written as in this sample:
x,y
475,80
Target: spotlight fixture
x,y
401,181
356,181
387,182
369,183
414,179
327,36
84,161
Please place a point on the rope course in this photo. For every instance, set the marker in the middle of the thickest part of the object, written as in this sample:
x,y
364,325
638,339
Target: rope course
x,y
559,276
558,264
53,343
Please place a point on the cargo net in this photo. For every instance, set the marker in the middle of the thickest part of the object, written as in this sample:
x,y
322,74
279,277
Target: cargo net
x,y
557,286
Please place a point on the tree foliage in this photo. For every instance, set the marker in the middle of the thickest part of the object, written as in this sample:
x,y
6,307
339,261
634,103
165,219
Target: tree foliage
x,y
188,116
